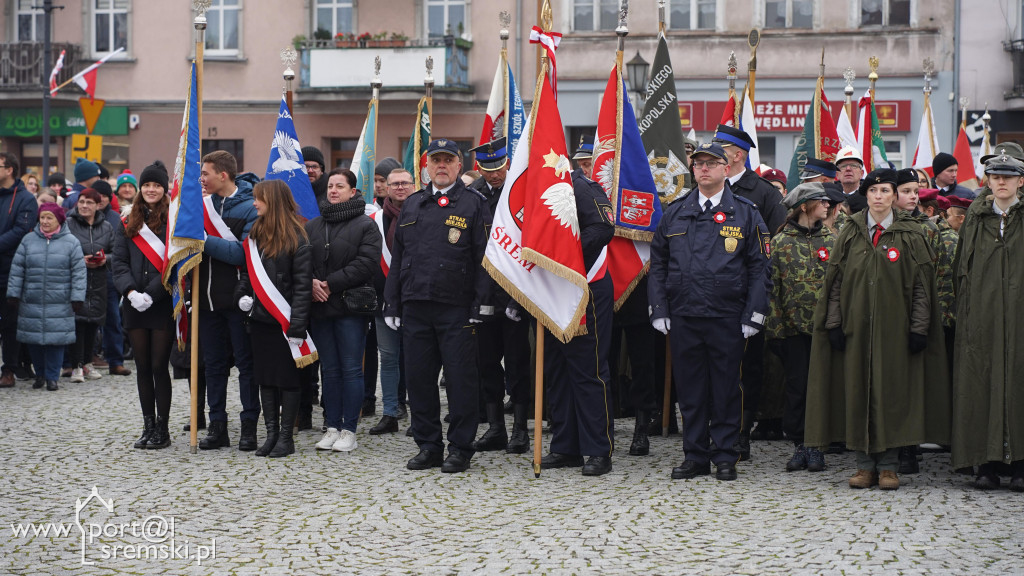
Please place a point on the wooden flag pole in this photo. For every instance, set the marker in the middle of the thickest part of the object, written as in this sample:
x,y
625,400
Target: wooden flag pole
x,y
667,410
193,430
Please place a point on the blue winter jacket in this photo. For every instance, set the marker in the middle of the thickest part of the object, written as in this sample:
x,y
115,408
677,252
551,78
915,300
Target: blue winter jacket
x,y
47,275
18,209
218,272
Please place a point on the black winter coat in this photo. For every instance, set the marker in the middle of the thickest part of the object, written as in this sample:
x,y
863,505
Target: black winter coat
x,y
93,238
765,198
18,215
133,271
346,249
292,274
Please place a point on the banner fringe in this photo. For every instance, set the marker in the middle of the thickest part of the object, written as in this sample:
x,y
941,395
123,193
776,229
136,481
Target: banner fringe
x,y
574,329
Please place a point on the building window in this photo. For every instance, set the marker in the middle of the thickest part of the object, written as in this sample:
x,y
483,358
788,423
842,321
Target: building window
x,y
234,147
30,21
766,149
446,17
885,12
894,150
590,15
223,21
110,30
334,16
342,152
789,13
692,14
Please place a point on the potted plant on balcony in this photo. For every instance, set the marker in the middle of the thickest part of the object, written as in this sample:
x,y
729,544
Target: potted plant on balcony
x,y
321,37
399,39
363,39
343,40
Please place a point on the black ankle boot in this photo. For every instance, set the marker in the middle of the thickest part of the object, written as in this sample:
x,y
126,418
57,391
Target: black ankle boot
x,y
289,412
247,436
496,437
149,424
908,460
216,436
271,410
743,441
519,443
641,445
161,438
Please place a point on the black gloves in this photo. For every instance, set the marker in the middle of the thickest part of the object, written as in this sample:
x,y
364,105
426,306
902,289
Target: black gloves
x,y
917,343
837,339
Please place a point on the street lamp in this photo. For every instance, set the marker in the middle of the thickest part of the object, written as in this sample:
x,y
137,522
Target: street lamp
x,y
636,71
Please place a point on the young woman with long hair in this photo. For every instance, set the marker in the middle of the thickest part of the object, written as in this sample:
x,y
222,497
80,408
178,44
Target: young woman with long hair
x,y
138,276
276,293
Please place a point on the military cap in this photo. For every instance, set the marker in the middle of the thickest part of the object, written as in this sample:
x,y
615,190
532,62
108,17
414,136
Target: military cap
x,y
804,193
834,191
815,167
927,194
729,136
958,202
775,175
585,149
443,145
1011,149
880,176
943,202
905,176
492,155
1004,165
711,149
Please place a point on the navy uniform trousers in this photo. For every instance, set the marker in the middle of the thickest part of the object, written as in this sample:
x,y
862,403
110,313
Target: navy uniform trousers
x,y
435,334
577,378
506,338
706,358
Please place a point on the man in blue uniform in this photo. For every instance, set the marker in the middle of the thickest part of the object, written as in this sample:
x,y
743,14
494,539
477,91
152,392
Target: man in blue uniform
x,y
579,402
437,291
707,284
502,336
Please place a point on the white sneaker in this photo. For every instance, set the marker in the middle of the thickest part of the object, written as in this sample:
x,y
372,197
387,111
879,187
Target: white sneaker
x,y
77,375
329,439
346,442
91,373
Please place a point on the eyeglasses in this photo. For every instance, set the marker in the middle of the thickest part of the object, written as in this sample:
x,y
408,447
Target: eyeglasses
x,y
707,164
400,185
849,168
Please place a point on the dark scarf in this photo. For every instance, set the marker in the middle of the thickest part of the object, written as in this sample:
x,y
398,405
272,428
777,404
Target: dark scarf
x,y
805,231
342,211
392,213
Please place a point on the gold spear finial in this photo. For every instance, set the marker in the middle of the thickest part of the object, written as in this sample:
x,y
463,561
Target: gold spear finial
x,y
547,20
873,63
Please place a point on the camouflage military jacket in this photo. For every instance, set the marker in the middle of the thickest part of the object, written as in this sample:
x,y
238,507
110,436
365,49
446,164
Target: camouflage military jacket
x,y
944,288
799,260
841,218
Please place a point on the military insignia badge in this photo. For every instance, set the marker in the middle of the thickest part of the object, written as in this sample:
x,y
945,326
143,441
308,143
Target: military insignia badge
x,y
892,254
609,214
766,244
730,245
719,217
823,254
442,201
453,235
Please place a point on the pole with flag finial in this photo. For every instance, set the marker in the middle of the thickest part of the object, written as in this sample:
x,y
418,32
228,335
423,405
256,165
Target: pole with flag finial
x,y
733,67
928,67
375,86
288,57
873,76
661,16
505,20
986,141
964,101
753,39
849,76
200,6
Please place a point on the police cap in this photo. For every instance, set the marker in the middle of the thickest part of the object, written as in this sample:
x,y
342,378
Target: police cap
x,y
443,145
711,149
492,155
815,167
729,136
585,149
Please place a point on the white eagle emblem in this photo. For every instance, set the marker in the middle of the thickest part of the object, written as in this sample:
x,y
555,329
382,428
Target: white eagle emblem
x,y
560,199
288,150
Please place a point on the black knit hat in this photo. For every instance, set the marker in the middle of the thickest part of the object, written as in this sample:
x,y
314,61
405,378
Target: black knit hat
x,y
313,154
942,161
155,172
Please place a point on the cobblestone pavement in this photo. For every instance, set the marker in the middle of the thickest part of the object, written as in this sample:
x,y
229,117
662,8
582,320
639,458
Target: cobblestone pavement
x,y
364,513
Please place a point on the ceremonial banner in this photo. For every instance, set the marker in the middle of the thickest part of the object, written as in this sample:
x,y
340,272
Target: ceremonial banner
x,y
659,128
56,70
185,234
286,163
413,160
869,136
927,140
965,175
505,115
844,129
534,251
365,157
819,139
729,114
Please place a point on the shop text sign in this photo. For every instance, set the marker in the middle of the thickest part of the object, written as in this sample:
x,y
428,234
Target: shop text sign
x,y
28,122
788,116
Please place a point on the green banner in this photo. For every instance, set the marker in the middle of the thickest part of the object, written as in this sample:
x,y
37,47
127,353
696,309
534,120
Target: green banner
x,y
28,122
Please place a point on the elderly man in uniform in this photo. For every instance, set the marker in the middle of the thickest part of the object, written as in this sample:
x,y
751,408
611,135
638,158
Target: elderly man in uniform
x,y
708,284
578,397
502,336
747,184
437,292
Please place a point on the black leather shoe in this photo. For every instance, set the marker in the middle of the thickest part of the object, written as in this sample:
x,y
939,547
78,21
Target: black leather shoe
x,y
201,424
386,425
403,412
247,437
555,460
455,462
690,469
216,436
908,460
51,385
641,445
1017,483
424,460
38,384
597,466
986,482
725,471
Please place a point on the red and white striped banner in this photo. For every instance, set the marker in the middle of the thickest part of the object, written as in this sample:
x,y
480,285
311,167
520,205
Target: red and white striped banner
x,y
385,254
213,223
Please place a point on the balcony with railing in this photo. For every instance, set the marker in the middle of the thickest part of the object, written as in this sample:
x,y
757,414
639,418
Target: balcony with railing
x,y
333,66
22,68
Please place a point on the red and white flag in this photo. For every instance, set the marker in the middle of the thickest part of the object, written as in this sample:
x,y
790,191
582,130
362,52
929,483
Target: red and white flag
x,y
494,120
56,70
927,140
550,41
965,175
729,114
86,79
534,251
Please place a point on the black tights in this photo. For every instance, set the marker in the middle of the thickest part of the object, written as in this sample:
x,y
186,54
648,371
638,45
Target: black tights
x,y
152,355
85,340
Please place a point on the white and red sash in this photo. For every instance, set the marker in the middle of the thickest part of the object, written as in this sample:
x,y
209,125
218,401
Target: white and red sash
x,y
385,254
213,223
275,303
152,247
600,267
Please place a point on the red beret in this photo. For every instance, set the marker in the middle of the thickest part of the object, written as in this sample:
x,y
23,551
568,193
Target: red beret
x,y
927,194
943,203
774,175
957,201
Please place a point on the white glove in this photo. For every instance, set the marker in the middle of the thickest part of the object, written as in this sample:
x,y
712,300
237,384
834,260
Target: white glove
x,y
393,322
148,299
749,331
245,303
138,301
662,325
474,321
293,341
513,314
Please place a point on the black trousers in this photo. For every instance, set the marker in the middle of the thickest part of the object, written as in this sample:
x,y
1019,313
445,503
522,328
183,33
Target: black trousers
x,y
436,335
506,338
577,378
9,347
706,357
796,360
640,340
752,375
